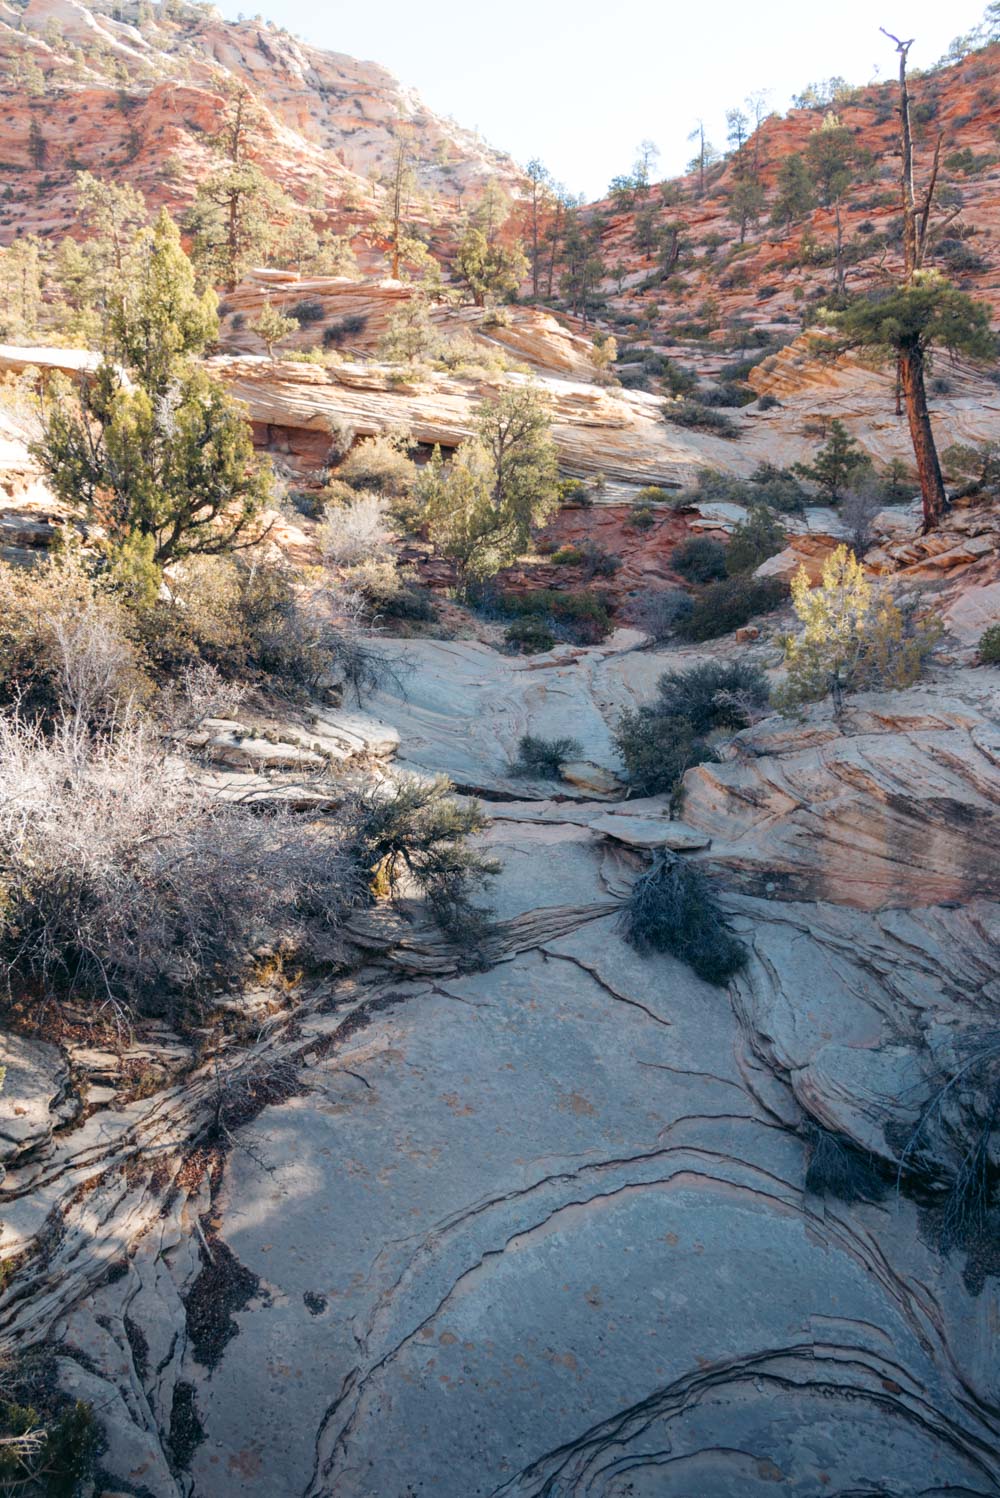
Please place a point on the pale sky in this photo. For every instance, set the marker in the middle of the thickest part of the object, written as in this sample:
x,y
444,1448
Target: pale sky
x,y
579,83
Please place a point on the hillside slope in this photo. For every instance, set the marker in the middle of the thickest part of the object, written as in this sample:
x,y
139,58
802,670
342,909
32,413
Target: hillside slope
x,y
137,102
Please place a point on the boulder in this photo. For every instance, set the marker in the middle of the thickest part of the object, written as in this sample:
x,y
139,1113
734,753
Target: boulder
x,y
650,832
35,1085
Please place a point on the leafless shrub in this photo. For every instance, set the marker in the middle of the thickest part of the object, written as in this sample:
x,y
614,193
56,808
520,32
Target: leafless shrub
x,y
64,648
356,532
858,509
342,438
203,692
124,880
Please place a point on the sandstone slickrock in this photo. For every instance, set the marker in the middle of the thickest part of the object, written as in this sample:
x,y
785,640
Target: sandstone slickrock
x,y
543,1229
34,1089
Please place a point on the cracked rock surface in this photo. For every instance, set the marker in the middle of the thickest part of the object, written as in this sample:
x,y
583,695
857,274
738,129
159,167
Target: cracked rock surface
x,y
543,1231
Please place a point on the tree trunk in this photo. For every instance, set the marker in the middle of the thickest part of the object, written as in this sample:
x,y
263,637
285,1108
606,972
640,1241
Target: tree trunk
x,y
911,370
906,193
534,242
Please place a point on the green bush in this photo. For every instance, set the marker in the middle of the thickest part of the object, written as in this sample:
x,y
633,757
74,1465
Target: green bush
x,y
701,418
567,556
341,331
529,636
989,646
585,615
307,311
574,492
543,759
716,694
701,559
380,464
676,379
662,739
59,1461
395,595
724,606
641,518
415,831
672,909
759,536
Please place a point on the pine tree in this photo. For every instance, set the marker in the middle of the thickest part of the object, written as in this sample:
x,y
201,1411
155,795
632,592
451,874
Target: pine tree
x,y
839,461
904,326
795,196
490,271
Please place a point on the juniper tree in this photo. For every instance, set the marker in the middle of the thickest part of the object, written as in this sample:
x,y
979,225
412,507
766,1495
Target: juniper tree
x,y
480,508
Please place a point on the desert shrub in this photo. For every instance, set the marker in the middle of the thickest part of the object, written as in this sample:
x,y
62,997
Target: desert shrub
x,y
700,559
661,612
392,593
724,606
753,540
662,739
125,882
656,752
238,322
740,368
978,464
652,494
343,330
583,616
355,532
837,1168
415,831
597,562
853,636
672,909
574,492
713,695
48,1444
567,556
676,379
252,621
779,488
307,311
529,636
768,402
641,517
543,759
959,257
342,436
728,394
989,646
380,464
65,647
699,417
335,492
